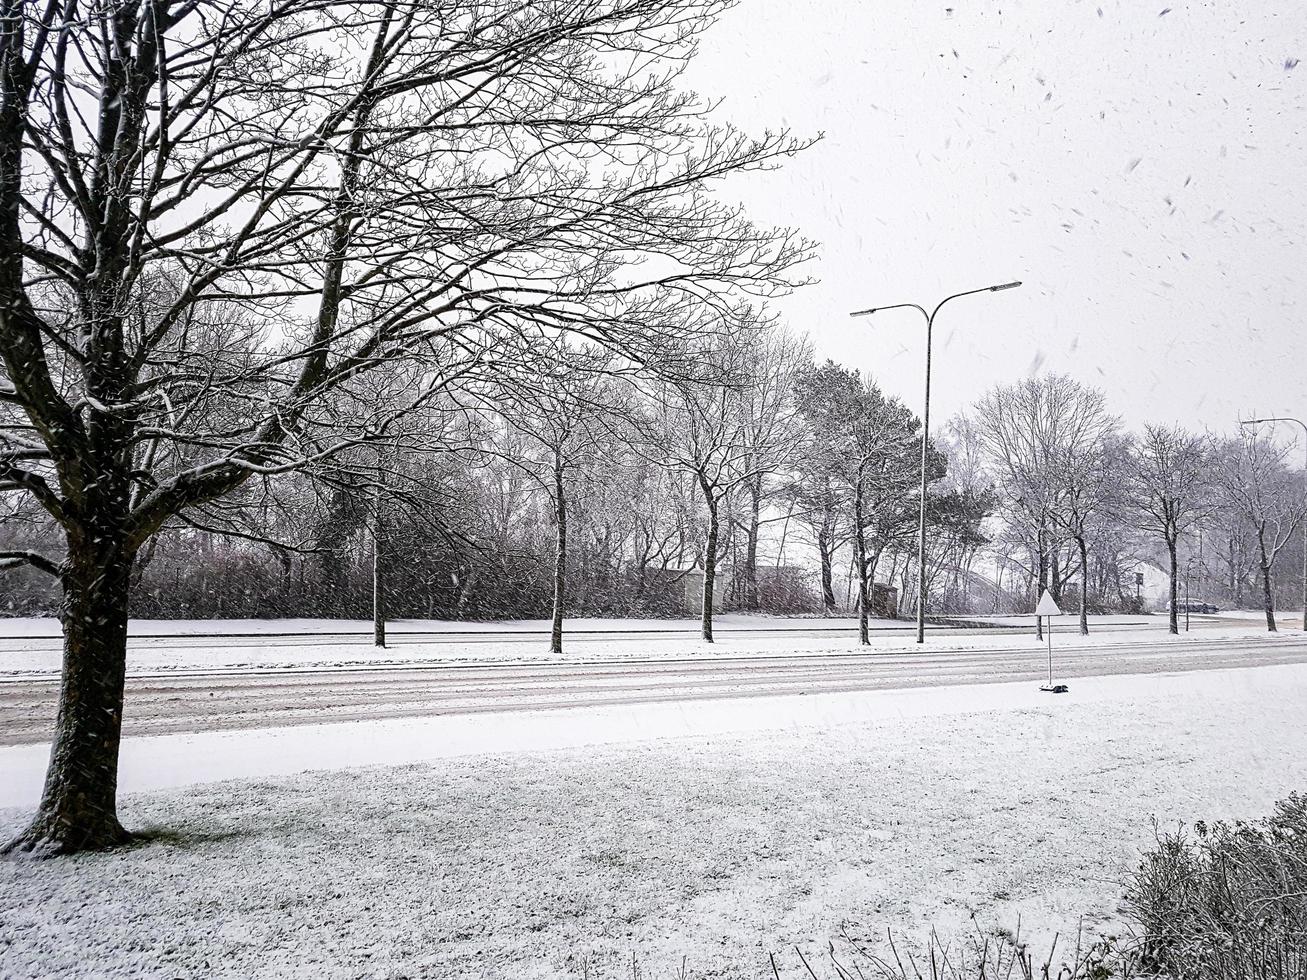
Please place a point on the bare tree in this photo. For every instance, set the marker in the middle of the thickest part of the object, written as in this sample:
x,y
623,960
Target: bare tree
x,y
863,443
767,406
663,507
1230,539
818,506
1255,475
1088,456
1170,491
727,427
214,214
1031,431
565,402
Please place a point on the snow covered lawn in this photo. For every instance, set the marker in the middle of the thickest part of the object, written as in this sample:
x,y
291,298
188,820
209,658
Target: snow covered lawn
x,y
31,647
716,847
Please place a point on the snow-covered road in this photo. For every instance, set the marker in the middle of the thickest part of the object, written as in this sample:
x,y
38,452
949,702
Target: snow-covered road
x,y
199,700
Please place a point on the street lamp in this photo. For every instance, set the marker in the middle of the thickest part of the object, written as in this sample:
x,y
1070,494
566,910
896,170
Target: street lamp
x,y
1290,418
925,435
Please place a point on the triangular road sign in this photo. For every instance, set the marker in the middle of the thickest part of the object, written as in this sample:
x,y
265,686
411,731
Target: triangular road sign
x,y
1047,607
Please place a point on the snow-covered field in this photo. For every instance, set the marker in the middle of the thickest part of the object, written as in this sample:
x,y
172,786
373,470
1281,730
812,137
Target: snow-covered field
x,y
22,626
889,809
30,647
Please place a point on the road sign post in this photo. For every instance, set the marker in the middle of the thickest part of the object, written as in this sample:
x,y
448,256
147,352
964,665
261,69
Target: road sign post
x,y
1048,608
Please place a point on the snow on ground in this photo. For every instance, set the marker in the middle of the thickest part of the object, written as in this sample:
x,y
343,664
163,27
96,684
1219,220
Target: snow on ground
x,y
33,650
719,847
25,626
1284,618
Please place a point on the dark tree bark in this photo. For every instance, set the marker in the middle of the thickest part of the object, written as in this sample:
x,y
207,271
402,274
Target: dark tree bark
x,y
378,576
1084,585
560,560
78,809
285,563
709,566
1268,595
825,552
1043,578
860,559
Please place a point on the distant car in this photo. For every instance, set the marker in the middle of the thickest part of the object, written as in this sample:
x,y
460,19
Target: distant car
x,y
1195,606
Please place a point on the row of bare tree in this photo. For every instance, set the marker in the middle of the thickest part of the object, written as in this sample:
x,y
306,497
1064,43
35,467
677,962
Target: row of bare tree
x,y
576,488
620,482
1083,501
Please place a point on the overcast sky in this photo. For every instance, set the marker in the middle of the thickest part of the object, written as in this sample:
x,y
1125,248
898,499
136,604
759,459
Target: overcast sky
x,y
1140,165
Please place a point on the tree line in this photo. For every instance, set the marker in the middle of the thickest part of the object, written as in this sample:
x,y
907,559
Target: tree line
x,y
578,484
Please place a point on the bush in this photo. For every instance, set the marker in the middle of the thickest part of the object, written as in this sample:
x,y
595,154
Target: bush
x,y
1002,957
1229,903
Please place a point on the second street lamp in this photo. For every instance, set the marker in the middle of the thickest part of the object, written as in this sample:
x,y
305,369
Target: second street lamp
x,y
925,433
1285,418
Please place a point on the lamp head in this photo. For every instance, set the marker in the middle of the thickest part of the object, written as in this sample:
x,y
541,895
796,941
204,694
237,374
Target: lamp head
x,y
1006,285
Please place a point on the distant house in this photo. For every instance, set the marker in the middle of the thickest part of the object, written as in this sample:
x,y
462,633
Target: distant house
x,y
775,583
1149,581
692,585
884,601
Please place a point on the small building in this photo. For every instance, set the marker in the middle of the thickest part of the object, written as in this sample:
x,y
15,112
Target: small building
x,y
692,586
884,601
1148,582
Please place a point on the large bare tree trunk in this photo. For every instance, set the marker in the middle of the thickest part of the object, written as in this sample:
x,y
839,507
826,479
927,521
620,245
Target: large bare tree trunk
x,y
560,562
1043,579
1268,596
78,809
709,568
378,576
860,557
826,553
1084,585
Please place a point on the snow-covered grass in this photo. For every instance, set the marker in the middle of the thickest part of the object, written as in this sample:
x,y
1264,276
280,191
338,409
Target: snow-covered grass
x,y
25,626
1284,618
716,847
33,650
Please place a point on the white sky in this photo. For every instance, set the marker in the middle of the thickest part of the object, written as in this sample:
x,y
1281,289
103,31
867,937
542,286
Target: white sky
x,y
1140,168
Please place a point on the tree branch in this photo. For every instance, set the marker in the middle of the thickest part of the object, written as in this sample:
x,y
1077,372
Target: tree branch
x,y
16,559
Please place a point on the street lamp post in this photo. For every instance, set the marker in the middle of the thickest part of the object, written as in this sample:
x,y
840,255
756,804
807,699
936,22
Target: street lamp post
x,y
1289,418
925,434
